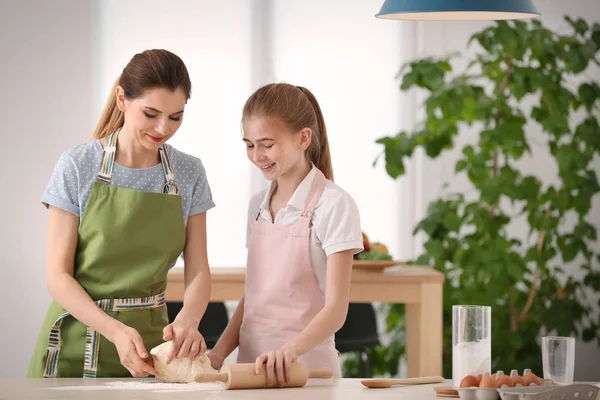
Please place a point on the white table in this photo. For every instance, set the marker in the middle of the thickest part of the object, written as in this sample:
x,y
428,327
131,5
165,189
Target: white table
x,y
112,389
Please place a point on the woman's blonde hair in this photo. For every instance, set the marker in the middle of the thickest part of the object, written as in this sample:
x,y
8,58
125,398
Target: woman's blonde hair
x,y
147,70
298,109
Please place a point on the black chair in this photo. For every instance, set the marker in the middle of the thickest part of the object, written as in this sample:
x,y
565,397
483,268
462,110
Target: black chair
x,y
212,324
358,334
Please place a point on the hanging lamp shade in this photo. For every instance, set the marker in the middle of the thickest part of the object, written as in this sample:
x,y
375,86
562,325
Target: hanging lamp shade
x,y
457,9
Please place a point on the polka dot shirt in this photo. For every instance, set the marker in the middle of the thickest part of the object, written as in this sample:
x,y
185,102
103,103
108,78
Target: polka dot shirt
x,y
75,173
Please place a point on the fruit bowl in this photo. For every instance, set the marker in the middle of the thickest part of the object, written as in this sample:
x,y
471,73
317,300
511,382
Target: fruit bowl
x,y
375,256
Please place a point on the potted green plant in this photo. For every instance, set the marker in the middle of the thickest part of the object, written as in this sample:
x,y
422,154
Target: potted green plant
x,y
522,75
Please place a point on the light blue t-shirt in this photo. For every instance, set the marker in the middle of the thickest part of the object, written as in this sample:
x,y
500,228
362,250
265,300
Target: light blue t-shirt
x,y
77,169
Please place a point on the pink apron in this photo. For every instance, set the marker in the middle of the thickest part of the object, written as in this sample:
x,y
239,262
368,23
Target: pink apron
x,y
281,293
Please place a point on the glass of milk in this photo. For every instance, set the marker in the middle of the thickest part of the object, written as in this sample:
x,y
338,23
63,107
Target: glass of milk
x,y
471,341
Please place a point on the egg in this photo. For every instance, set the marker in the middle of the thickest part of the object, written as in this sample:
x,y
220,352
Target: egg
x,y
531,378
479,379
528,379
469,381
489,382
517,380
504,380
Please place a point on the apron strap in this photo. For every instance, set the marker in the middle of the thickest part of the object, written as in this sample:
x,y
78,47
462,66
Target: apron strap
x,y
170,187
108,162
316,190
92,339
108,157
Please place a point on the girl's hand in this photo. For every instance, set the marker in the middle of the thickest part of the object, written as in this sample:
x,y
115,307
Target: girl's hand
x,y
216,359
278,365
187,341
132,353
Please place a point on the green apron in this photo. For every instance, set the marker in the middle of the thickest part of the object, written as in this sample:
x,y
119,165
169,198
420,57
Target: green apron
x,y
127,241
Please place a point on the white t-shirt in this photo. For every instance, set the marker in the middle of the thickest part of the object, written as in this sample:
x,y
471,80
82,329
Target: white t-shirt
x,y
336,223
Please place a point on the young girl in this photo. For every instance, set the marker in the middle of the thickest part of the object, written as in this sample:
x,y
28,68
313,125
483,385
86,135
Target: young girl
x,y
302,234
122,208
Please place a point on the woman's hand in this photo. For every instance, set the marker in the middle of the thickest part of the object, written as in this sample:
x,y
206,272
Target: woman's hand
x,y
278,365
132,353
187,341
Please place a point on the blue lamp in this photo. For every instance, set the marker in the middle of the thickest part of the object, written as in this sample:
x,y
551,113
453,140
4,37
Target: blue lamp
x,y
457,9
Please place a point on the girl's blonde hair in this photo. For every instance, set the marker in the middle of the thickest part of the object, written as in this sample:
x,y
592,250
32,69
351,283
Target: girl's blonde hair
x,y
298,109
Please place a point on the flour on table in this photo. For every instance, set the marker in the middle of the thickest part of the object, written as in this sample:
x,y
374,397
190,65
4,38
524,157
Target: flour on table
x,y
180,370
150,386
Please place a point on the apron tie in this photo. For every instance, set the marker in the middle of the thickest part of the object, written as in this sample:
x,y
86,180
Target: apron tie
x,y
90,366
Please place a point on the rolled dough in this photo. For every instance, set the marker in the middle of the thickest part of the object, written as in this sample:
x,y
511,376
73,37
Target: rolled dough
x,y
180,370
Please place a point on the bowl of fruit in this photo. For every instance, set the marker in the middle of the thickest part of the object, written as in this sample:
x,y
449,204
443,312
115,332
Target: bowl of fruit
x,y
374,256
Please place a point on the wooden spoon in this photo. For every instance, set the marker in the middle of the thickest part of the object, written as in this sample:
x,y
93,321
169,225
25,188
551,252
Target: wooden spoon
x,y
384,383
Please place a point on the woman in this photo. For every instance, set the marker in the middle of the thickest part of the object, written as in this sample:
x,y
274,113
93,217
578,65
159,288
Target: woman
x,y
122,208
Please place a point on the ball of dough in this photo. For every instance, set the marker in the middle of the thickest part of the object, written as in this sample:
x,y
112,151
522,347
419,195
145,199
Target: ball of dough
x,y
180,370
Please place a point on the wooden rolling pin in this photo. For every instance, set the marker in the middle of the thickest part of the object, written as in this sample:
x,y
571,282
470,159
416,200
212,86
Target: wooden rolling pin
x,y
243,376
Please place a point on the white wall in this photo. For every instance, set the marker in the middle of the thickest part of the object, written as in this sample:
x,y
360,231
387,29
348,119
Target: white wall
x,y
443,38
46,106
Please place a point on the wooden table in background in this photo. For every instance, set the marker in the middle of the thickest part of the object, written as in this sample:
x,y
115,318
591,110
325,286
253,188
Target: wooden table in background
x,y
420,288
